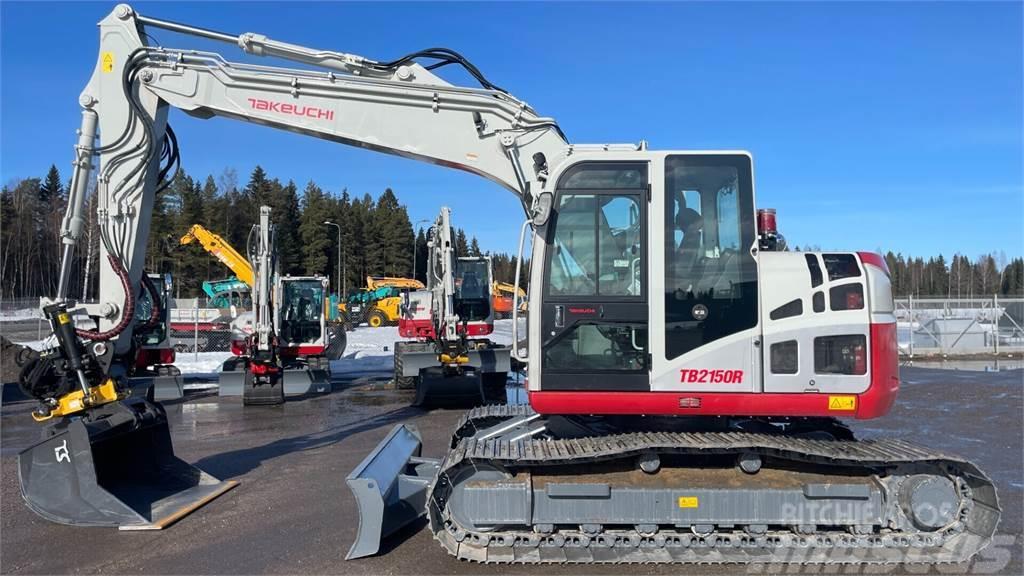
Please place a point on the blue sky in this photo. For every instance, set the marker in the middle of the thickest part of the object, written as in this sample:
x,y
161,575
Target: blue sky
x,y
892,125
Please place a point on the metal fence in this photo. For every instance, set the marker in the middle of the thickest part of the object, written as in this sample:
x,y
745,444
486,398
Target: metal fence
x,y
959,326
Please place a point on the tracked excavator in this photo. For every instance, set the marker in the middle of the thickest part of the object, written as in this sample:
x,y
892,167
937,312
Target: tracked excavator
x,y
154,354
280,348
449,357
297,315
687,384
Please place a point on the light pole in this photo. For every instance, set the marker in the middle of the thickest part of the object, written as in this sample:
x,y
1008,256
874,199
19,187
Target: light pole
x,y
417,226
341,279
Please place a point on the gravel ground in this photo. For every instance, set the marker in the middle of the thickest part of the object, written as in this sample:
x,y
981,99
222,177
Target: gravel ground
x,y
292,512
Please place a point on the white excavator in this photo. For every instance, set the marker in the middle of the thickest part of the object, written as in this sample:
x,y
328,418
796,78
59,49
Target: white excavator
x,y
449,357
280,347
687,383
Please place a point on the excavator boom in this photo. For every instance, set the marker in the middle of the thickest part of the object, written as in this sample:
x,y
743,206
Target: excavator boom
x,y
222,250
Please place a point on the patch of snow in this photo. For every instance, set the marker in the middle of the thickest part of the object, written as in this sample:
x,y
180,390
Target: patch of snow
x,y
201,364
373,349
22,314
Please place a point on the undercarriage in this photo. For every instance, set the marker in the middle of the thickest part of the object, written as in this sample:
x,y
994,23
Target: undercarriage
x,y
518,487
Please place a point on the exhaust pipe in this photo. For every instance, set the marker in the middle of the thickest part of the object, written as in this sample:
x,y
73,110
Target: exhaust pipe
x,y
390,486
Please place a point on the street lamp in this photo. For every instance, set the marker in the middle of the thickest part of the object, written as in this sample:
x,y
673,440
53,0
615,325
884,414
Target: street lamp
x,y
417,226
341,276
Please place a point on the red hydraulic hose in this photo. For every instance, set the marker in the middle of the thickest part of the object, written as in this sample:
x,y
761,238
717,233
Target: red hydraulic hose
x,y
127,315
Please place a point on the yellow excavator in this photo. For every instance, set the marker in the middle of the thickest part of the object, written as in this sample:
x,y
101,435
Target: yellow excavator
x,y
219,247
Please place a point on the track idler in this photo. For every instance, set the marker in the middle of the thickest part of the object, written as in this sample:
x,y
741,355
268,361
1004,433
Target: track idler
x,y
113,466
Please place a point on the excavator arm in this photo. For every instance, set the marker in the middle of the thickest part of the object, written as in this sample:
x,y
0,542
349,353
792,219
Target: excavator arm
x,y
223,251
441,277
398,107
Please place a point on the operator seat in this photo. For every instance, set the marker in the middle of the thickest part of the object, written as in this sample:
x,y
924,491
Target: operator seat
x,y
690,222
470,286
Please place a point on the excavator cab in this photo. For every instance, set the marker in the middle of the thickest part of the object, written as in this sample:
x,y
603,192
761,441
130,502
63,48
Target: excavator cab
x,y
472,290
154,356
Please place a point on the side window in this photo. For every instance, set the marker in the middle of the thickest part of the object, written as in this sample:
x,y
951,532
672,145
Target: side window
x,y
574,254
590,347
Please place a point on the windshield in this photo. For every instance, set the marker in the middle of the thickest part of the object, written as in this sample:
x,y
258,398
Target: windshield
x,y
303,305
472,289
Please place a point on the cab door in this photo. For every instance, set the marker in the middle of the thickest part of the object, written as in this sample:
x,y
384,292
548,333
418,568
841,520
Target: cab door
x,y
595,309
704,275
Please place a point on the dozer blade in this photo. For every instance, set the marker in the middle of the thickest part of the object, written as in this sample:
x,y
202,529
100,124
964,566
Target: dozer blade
x,y
261,392
231,380
115,468
390,486
306,380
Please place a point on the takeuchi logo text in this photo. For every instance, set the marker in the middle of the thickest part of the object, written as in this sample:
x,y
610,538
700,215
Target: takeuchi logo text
x,y
293,109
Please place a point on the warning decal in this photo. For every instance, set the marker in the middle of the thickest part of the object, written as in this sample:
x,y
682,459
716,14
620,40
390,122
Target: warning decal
x,y
107,60
842,402
688,502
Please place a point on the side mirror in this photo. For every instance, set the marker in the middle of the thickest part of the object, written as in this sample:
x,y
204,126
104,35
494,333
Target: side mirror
x,y
542,208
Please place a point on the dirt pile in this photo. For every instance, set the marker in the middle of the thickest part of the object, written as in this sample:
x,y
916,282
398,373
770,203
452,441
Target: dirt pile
x,y
9,360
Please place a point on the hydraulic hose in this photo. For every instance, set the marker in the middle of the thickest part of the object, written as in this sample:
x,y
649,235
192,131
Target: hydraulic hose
x,y
127,314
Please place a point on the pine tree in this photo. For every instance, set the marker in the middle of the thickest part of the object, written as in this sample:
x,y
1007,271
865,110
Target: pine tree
x,y
474,248
390,244
461,247
49,210
247,208
422,255
352,246
285,217
318,239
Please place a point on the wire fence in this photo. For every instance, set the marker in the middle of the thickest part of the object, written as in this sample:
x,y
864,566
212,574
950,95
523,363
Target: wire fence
x,y
960,327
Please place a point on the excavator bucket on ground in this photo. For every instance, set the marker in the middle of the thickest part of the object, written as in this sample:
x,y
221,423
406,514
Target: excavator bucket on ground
x,y
390,486
115,467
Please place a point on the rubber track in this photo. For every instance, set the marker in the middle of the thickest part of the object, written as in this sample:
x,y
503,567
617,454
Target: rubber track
x,y
978,518
483,416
